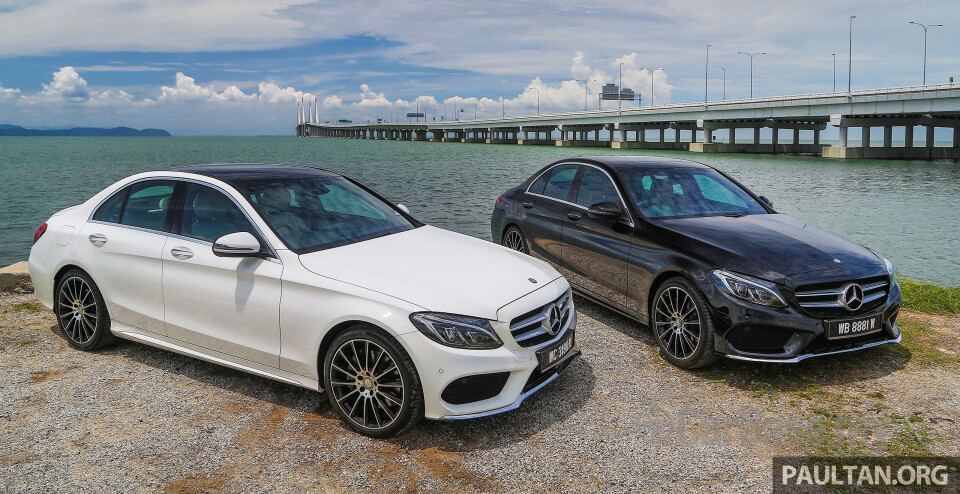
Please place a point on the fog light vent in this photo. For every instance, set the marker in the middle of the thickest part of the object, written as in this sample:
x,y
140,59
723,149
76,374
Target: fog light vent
x,y
474,388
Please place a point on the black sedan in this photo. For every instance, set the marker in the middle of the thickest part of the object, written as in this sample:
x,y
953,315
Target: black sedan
x,y
711,267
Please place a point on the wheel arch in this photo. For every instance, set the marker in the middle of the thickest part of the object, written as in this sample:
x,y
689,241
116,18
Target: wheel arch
x,y
339,329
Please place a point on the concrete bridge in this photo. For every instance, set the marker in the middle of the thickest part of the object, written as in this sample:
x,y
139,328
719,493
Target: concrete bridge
x,y
754,125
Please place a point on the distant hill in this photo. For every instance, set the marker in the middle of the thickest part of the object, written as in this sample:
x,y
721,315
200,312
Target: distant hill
x,y
18,131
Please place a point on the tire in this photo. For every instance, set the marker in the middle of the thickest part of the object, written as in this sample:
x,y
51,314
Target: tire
x,y
81,312
513,239
373,400
682,325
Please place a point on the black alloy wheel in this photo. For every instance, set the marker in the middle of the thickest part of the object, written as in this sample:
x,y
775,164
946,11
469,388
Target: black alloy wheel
x,y
682,325
513,239
372,384
81,312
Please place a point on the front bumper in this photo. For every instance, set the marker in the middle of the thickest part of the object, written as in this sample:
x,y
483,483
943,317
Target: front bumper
x,y
803,336
440,367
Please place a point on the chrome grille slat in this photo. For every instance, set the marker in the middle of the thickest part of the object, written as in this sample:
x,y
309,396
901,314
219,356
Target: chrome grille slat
x,y
529,335
821,304
528,322
819,293
871,298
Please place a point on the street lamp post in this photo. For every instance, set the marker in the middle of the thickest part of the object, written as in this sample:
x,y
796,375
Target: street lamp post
x,y
925,27
834,72
586,90
706,73
724,69
850,56
503,107
751,55
538,97
620,92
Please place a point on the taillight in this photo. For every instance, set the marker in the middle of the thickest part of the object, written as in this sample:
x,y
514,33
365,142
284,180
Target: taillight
x,y
498,201
39,233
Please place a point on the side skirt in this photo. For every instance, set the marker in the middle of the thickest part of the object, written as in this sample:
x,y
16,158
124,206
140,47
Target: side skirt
x,y
205,354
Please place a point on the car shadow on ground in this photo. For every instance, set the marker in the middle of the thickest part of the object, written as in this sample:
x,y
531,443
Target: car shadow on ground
x,y
845,368
554,403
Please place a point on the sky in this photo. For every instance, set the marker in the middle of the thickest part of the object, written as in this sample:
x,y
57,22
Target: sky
x,y
238,67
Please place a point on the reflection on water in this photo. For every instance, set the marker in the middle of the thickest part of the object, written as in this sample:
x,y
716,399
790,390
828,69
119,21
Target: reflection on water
x,y
909,211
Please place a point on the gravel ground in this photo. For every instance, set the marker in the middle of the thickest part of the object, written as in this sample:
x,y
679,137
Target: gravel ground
x,y
133,418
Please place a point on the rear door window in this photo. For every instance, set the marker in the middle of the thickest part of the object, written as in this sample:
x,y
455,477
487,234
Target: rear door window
x,y
561,178
112,208
147,204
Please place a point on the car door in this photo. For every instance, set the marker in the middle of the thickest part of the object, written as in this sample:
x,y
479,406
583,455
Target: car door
x,y
123,241
546,203
596,251
227,304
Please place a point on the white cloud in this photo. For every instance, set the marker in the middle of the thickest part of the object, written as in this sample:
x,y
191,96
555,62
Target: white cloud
x,y
67,85
272,93
332,102
7,93
186,89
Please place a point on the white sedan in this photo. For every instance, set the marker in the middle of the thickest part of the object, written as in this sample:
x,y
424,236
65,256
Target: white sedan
x,y
310,278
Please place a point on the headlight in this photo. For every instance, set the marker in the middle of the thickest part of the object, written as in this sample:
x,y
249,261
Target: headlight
x,y
456,331
749,288
889,266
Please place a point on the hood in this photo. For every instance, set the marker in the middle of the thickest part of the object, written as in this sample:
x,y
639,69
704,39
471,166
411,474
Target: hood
x,y
772,243
437,269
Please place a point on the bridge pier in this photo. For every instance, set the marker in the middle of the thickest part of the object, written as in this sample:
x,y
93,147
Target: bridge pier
x,y
910,150
775,146
579,136
536,130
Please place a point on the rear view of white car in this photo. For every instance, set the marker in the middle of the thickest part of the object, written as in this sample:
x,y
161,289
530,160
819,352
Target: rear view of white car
x,y
310,278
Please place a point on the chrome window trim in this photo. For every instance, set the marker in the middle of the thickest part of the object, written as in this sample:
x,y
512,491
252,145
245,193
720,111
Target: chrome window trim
x,y
275,257
623,204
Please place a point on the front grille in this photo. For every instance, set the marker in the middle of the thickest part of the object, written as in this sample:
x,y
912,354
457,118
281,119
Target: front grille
x,y
823,299
533,328
474,388
758,339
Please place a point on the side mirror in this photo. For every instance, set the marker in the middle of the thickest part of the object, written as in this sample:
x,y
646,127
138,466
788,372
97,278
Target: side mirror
x,y
403,208
768,201
239,244
604,210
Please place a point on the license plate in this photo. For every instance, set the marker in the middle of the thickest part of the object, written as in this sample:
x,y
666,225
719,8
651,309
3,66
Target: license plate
x,y
554,354
848,328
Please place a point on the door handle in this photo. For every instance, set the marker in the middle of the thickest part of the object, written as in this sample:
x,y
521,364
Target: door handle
x,y
98,239
181,253
573,215
527,204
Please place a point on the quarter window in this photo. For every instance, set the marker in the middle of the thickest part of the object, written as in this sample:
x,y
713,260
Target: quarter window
x,y
561,178
209,215
596,187
147,204
112,208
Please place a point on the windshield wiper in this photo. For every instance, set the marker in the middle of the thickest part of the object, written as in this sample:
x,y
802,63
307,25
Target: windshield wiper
x,y
733,215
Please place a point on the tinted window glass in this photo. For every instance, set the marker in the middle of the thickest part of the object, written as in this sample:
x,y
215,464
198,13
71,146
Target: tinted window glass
x,y
322,212
147,204
209,215
558,185
110,210
537,187
596,187
686,192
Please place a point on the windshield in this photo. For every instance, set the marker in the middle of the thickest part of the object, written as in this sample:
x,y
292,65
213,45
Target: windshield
x,y
687,192
322,212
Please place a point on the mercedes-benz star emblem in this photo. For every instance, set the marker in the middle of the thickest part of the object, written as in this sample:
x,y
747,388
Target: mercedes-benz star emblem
x,y
851,296
553,321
